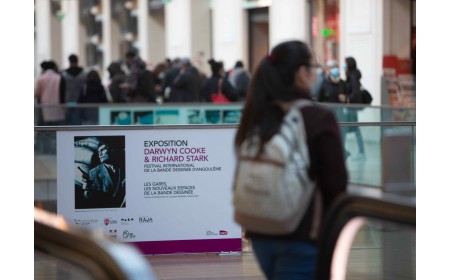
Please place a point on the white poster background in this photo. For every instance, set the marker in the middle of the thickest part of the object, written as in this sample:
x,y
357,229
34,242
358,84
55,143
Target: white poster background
x,y
205,214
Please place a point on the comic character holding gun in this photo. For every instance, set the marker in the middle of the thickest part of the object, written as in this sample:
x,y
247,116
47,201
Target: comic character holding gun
x,y
104,183
87,184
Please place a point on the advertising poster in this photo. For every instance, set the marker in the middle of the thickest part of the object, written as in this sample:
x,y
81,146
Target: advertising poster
x,y
164,190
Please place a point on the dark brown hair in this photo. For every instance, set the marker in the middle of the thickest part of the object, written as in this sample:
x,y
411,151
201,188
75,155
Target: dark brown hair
x,y
216,66
351,64
272,83
93,77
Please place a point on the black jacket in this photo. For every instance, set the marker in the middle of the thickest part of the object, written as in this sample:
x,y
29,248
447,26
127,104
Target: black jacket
x,y
211,86
167,81
354,87
185,86
91,93
117,77
329,91
140,82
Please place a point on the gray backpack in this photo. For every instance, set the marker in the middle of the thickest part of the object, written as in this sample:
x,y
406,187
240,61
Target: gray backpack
x,y
272,192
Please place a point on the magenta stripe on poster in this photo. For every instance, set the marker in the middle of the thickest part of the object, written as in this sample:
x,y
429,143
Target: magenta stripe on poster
x,y
189,246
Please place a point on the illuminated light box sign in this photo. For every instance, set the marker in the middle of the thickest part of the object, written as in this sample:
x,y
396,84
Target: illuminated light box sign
x,y
165,190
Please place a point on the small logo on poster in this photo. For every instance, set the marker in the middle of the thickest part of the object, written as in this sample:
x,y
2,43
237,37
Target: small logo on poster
x,y
223,232
109,221
126,221
128,235
85,222
145,219
211,233
112,233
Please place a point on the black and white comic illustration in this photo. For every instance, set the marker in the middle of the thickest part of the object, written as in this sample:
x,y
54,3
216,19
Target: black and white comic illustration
x,y
99,172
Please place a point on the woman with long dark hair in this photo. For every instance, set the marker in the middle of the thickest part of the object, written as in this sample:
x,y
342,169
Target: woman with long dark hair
x,y
353,82
287,74
217,82
93,91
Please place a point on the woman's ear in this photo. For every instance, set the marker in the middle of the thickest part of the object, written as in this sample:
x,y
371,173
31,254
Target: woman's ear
x,y
302,77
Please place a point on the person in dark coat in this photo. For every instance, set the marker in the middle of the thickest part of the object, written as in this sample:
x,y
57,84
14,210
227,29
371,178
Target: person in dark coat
x,y
139,83
353,82
73,79
117,77
158,77
211,85
334,90
184,86
93,91
169,76
239,78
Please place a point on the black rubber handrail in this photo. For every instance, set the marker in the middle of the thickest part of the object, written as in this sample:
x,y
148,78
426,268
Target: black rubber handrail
x,y
347,207
94,253
197,126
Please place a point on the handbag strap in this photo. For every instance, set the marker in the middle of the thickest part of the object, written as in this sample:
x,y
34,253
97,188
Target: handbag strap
x,y
219,90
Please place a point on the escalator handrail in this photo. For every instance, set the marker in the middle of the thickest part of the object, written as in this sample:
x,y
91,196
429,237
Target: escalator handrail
x,y
347,207
198,126
91,251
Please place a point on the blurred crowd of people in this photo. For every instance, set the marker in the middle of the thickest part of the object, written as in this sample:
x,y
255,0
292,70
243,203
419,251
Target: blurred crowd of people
x,y
132,81
176,81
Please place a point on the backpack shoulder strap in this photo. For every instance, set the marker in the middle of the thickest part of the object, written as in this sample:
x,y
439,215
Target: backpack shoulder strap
x,y
301,103
301,140
219,86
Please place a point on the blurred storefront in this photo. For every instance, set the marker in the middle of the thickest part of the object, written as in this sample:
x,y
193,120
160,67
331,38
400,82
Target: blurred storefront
x,y
325,29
